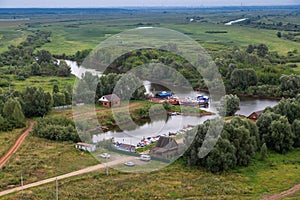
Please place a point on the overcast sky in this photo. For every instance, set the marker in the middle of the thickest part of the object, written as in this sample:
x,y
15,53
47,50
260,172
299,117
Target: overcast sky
x,y
133,3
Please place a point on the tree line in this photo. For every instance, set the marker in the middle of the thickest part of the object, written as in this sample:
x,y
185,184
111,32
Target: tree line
x,y
254,70
24,60
15,106
91,88
277,129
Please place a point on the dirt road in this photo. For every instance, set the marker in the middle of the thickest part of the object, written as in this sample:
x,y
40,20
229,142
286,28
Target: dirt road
x,y
68,175
16,145
285,193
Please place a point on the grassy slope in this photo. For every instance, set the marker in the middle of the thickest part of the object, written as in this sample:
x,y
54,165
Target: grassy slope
x,y
39,159
277,173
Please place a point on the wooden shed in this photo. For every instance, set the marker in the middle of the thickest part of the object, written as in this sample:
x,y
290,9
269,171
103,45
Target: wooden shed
x,y
166,147
85,146
255,115
110,100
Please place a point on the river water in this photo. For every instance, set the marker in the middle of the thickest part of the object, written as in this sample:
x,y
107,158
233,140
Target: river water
x,y
169,124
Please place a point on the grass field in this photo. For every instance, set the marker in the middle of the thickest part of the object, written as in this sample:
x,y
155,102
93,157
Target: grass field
x,y
10,34
71,32
45,82
277,173
39,159
89,36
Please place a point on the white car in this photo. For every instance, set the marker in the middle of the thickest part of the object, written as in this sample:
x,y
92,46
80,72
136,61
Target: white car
x,y
129,164
105,155
145,157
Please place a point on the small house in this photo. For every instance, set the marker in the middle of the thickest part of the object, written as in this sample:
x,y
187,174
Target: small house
x,y
166,147
110,100
85,146
127,147
255,115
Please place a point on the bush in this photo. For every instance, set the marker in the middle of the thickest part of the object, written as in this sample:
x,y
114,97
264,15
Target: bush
x,y
57,129
236,145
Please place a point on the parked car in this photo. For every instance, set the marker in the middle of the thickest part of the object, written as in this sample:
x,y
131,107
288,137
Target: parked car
x,y
129,164
105,155
145,157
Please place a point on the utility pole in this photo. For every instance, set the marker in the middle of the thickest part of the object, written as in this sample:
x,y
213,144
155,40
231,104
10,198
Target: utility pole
x,y
56,189
22,184
106,166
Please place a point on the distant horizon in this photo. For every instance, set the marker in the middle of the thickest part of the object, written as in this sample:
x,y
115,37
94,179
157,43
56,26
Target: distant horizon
x,y
122,7
142,3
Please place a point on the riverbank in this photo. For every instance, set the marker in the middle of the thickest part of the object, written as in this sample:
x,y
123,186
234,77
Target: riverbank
x,y
244,95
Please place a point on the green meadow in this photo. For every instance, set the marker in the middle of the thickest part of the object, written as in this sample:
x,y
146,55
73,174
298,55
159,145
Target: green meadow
x,y
262,178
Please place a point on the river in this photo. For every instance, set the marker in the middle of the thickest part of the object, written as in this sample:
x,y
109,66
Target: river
x,y
172,124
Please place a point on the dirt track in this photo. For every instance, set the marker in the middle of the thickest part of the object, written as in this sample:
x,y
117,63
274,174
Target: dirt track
x,y
285,193
16,145
68,175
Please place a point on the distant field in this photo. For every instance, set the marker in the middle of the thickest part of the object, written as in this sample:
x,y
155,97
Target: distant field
x,y
69,40
72,32
276,174
10,36
237,36
45,82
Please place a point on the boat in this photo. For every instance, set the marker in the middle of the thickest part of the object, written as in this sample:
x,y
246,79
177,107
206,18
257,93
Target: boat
x,y
163,94
174,100
203,100
198,101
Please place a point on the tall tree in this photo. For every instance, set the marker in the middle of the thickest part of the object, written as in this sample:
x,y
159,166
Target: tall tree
x,y
281,135
64,69
35,69
12,111
296,131
229,104
262,50
36,102
59,99
55,89
44,56
243,78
